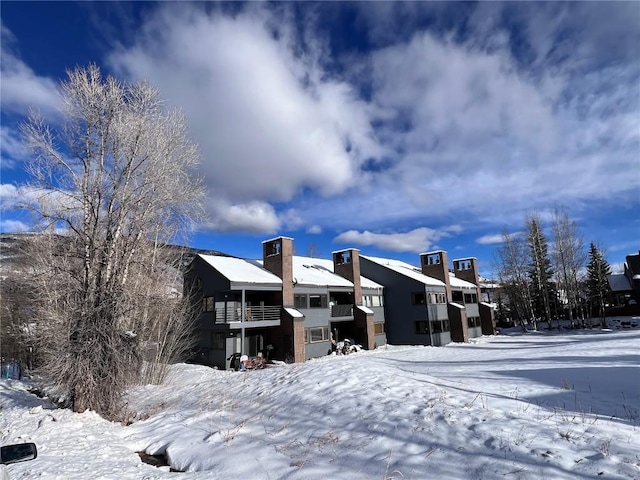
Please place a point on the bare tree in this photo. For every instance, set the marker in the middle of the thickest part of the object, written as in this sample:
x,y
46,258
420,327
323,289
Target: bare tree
x,y
111,185
512,261
569,260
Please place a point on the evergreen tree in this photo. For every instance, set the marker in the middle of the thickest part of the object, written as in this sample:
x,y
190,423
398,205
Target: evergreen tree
x,y
540,270
598,270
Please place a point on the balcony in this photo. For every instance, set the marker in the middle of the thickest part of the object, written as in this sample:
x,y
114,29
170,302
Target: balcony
x,y
342,310
254,313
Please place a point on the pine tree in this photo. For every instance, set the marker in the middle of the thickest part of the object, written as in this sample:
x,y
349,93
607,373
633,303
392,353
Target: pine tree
x,y
540,270
598,270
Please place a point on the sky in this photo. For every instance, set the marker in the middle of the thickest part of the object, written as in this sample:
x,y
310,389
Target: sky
x,y
396,128
519,406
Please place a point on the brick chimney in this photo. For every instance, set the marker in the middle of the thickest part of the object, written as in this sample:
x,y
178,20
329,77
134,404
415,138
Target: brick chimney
x,y
466,269
436,265
277,257
346,263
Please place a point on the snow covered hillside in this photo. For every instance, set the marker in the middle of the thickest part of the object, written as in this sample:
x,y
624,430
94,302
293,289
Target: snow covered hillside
x,y
519,406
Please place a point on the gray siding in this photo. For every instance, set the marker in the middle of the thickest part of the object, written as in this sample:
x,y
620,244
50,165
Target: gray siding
x,y
399,312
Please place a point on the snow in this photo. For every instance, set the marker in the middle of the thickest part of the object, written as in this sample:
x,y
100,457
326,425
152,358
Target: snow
x,y
520,406
405,269
328,264
311,271
240,271
459,283
293,312
364,309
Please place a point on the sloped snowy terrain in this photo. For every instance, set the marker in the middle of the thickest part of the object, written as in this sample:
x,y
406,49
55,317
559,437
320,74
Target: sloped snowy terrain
x,y
521,406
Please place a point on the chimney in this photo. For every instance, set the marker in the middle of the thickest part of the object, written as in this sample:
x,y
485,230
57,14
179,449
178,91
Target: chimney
x,y
436,265
346,263
277,257
466,269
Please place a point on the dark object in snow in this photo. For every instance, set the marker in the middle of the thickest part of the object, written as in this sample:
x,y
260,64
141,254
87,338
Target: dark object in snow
x,y
19,452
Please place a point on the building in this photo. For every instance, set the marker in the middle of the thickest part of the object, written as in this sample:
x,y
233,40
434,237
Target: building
x,y
431,305
284,307
625,287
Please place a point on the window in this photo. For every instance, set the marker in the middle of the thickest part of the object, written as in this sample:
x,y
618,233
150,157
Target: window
x,y
436,297
422,327
217,341
316,334
456,296
317,301
378,328
207,304
470,298
473,322
418,298
366,300
376,301
300,300
440,326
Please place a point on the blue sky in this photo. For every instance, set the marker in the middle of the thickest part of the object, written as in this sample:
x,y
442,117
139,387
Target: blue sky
x,y
396,128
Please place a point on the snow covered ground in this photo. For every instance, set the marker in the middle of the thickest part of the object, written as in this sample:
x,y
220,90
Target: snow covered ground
x,y
516,406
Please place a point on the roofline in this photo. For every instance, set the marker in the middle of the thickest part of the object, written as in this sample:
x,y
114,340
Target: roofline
x,y
345,250
432,252
464,258
277,238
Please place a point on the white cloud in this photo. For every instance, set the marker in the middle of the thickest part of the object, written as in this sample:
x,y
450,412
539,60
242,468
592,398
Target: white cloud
x,y
21,88
490,239
314,230
252,217
418,240
13,226
268,122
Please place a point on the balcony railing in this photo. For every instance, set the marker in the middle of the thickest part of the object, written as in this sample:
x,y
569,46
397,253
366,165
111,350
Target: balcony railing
x,y
254,313
342,310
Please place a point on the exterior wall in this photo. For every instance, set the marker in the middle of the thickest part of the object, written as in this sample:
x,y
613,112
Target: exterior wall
x,y
277,257
458,322
347,264
487,320
364,326
475,332
473,309
400,315
436,265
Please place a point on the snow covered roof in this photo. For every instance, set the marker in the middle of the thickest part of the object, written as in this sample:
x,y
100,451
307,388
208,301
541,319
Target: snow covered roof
x,y
457,305
241,271
293,312
364,309
619,282
405,269
459,283
313,271
328,264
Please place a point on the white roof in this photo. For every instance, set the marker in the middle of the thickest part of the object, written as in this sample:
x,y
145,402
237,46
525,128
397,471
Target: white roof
x,y
328,264
313,271
405,269
238,270
364,309
461,307
293,312
619,282
459,283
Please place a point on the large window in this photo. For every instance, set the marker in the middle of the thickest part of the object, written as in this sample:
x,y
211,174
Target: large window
x,y
470,298
418,298
436,298
473,322
456,296
300,300
317,301
207,304
316,334
440,326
